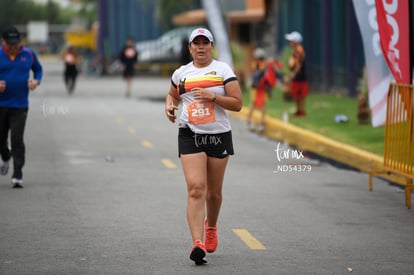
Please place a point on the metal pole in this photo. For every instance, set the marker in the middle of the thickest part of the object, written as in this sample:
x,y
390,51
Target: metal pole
x,y
215,19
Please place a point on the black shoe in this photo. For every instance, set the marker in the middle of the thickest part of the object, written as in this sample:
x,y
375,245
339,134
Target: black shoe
x,y
198,252
17,183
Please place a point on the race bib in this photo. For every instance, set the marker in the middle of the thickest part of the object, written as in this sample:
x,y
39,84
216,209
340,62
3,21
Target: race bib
x,y
201,112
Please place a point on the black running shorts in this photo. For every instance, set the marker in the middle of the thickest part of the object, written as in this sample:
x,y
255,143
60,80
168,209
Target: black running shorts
x,y
214,145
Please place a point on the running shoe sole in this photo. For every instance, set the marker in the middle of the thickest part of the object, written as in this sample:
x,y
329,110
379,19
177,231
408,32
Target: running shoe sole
x,y
17,185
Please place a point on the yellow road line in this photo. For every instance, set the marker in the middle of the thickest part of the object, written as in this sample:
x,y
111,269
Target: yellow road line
x,y
248,239
168,163
146,144
131,130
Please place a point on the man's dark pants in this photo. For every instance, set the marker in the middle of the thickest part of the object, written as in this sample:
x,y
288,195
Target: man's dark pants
x,y
13,120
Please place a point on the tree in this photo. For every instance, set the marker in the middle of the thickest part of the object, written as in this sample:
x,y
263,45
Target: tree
x,y
165,9
20,12
52,12
88,11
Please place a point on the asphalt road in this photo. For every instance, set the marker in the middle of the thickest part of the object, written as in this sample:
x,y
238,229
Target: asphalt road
x,y
104,194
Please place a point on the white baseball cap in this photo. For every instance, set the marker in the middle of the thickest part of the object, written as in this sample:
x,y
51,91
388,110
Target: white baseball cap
x,y
294,36
201,32
259,53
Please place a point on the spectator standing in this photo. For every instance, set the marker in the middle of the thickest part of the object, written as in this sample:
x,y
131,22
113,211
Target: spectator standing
x,y
264,78
16,63
298,81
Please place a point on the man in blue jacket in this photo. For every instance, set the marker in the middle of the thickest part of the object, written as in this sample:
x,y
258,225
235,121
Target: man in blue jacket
x,y
16,63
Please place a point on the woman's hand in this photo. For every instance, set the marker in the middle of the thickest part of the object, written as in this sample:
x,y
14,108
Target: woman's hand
x,y
2,86
171,103
203,94
32,84
170,111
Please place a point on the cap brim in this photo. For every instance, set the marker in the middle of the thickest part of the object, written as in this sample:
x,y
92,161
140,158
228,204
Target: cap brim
x,y
288,37
12,41
202,35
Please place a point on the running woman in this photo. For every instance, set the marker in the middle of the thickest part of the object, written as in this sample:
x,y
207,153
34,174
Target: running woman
x,y
206,88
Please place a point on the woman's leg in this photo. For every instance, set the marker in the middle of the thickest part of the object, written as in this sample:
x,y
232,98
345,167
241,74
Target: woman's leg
x,y
250,123
262,119
66,79
301,106
215,176
195,172
250,114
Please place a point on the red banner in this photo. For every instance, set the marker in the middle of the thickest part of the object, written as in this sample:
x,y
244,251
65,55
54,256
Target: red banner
x,y
393,27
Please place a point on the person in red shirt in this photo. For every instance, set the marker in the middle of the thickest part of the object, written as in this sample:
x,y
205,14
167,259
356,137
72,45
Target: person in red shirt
x,y
298,82
264,78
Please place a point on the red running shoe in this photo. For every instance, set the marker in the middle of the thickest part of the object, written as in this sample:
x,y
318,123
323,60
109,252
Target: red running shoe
x,y
198,252
211,239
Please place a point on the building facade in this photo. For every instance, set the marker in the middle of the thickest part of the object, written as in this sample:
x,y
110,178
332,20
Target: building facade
x,y
332,41
331,35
